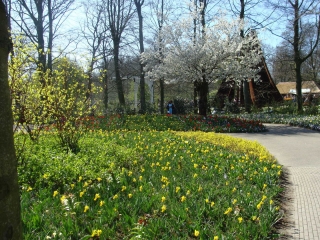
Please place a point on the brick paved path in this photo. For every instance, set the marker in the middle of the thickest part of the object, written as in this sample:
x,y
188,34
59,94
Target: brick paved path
x,y
298,150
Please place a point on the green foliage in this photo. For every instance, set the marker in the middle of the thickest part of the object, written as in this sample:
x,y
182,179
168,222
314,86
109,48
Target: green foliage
x,y
176,123
28,110
152,185
42,98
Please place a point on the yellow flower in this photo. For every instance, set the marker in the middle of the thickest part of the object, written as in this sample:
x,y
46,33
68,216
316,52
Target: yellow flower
x,y
215,238
183,198
30,189
86,208
271,202
229,210
129,173
240,219
163,199
264,197
96,233
207,200
254,218
63,198
85,184
99,179
196,233
234,189
188,192
195,175
259,205
140,178
129,195
96,196
163,208
234,201
265,169
80,178
72,185
212,204
115,197
200,189
55,193
140,188
123,188
134,180
45,176
195,165
101,203
177,189
264,186
81,193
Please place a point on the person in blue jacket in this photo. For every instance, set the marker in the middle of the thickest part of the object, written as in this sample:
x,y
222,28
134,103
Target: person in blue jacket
x,y
170,107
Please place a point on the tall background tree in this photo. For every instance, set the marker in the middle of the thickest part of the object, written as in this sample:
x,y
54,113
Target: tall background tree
x,y
300,16
40,21
119,13
10,219
139,4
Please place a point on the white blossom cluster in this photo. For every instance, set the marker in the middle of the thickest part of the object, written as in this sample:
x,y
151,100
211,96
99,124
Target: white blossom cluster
x,y
215,52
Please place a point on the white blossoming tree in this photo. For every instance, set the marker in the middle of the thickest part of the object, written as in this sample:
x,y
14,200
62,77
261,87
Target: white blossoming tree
x,y
213,52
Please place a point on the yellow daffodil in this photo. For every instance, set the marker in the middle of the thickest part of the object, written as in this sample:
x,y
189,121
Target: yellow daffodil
x,y
96,233
183,198
240,219
123,188
229,210
177,189
163,199
101,203
129,195
96,196
163,208
215,238
55,193
196,233
86,208
115,197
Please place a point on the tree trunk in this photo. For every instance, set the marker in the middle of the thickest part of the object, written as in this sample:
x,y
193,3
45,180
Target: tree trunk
x,y
10,219
246,96
195,95
117,72
203,88
40,32
138,4
162,96
299,86
297,57
50,38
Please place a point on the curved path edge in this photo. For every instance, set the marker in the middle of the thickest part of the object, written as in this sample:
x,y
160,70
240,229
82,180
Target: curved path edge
x,y
298,150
